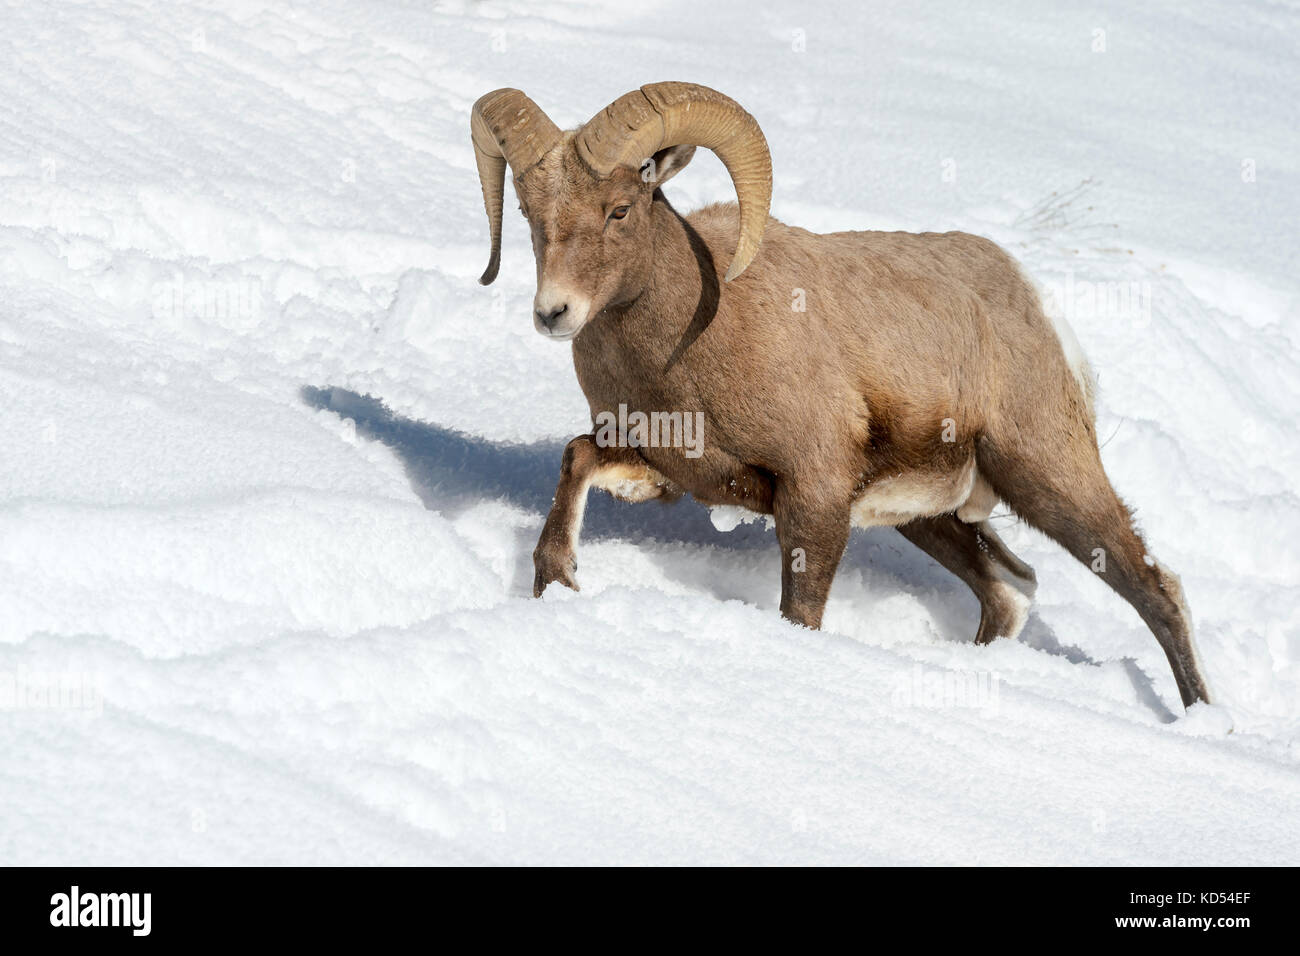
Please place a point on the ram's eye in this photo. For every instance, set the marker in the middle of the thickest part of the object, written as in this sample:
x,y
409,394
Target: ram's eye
x,y
522,213
620,212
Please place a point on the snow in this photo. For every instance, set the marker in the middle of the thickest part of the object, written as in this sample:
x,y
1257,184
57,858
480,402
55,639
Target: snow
x,y
274,463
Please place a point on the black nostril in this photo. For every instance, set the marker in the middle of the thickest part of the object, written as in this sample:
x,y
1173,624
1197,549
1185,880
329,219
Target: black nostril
x,y
548,319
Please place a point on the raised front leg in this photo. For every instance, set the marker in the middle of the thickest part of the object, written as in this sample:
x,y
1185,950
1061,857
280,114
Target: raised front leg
x,y
812,527
620,471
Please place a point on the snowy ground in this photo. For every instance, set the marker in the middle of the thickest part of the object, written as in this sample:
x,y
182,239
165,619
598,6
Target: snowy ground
x,y
273,463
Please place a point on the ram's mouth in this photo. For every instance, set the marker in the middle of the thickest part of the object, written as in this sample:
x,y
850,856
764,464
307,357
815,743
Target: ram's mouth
x,y
561,336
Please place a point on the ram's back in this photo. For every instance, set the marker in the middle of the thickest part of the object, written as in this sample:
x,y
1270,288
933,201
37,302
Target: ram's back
x,y
924,327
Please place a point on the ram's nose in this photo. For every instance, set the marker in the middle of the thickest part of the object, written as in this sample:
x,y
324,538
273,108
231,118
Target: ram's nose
x,y
559,313
547,317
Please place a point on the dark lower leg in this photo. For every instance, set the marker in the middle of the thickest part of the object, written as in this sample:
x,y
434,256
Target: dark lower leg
x,y
812,536
975,553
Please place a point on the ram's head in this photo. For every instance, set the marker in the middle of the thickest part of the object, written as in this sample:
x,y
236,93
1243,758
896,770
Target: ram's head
x,y
587,193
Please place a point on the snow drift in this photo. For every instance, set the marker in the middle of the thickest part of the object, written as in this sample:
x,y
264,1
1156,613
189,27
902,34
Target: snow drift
x,y
274,463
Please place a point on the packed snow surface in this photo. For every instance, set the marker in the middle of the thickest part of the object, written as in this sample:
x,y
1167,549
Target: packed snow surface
x,y
274,462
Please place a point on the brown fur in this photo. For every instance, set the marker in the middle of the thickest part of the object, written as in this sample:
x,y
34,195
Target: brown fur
x,y
810,413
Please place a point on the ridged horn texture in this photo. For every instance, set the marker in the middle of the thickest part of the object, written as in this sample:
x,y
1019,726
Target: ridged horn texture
x,y
639,124
506,127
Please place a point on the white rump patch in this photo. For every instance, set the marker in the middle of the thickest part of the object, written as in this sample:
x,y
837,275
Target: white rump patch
x,y
1070,347
1074,357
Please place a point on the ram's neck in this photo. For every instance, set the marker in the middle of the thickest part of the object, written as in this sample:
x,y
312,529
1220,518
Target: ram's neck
x,y
635,352
682,294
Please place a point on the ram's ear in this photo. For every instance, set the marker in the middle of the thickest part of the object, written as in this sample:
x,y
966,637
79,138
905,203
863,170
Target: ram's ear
x,y
666,164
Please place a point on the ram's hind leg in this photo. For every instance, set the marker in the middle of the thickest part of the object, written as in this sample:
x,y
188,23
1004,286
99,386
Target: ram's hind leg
x,y
1003,583
620,471
1056,482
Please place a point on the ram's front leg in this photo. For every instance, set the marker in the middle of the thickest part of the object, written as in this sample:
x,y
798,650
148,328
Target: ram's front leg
x,y
620,471
812,528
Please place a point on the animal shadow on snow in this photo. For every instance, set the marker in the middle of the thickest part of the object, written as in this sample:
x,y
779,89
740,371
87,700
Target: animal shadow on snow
x,y
451,471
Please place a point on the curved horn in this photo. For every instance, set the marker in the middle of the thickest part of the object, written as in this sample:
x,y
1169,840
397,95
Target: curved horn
x,y
506,127
639,124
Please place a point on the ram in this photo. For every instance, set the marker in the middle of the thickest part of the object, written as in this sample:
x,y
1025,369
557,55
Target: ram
x,y
853,378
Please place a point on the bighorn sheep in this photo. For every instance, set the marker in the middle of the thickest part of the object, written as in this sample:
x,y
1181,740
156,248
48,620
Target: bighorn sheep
x,y
921,383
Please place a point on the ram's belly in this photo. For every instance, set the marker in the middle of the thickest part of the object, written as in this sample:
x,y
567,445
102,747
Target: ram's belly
x,y
892,500
899,499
